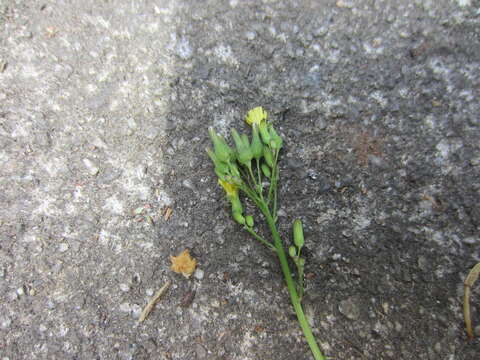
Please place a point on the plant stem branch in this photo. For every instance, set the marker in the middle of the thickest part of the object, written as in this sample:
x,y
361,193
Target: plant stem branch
x,y
261,239
307,331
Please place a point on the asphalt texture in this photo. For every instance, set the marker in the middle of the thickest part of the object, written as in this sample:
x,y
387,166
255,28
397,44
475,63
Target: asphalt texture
x,y
104,111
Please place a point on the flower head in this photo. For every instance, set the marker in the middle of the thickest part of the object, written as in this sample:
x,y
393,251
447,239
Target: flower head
x,y
256,116
230,189
183,263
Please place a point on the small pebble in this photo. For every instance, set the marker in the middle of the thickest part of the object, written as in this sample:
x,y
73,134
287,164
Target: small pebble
x,y
149,292
125,307
422,263
470,240
475,161
250,35
50,305
349,308
200,351
124,287
136,311
398,326
199,273
188,184
21,291
63,247
5,323
476,330
91,167
344,4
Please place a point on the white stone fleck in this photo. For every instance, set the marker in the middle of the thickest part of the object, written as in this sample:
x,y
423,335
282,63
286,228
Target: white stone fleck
x,y
379,98
463,3
199,274
5,323
63,247
114,205
183,49
225,54
136,311
125,307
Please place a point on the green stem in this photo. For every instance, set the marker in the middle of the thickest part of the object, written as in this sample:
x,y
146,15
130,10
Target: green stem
x,y
307,331
273,185
261,239
259,174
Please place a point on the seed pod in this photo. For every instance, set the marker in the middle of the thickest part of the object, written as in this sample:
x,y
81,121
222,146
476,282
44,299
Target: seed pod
x,y
266,170
268,156
256,146
249,220
238,218
298,233
292,251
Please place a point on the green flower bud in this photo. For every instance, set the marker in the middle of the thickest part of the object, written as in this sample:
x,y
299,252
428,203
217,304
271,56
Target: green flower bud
x,y
292,251
264,133
220,174
223,152
234,170
249,220
256,145
245,140
266,170
222,168
212,156
238,218
301,263
268,156
298,233
276,142
244,154
236,204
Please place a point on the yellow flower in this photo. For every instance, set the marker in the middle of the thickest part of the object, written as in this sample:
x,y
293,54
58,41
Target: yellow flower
x,y
183,263
230,189
256,116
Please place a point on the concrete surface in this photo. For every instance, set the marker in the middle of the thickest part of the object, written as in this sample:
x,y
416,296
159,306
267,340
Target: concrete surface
x,y
104,109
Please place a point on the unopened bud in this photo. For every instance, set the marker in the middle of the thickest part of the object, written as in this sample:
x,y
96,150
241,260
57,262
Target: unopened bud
x,y
265,135
256,146
239,218
298,233
244,154
276,142
292,251
266,170
236,204
249,220
223,152
268,156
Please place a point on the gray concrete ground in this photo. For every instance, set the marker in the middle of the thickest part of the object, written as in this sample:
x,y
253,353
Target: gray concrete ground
x,y
104,109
